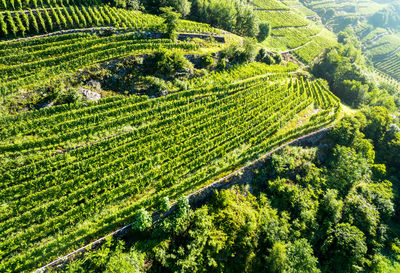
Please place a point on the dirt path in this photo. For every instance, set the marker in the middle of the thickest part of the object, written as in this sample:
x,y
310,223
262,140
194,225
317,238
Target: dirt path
x,y
293,27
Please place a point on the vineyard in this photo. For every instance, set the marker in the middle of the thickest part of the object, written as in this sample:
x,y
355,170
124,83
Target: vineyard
x,y
74,170
383,49
292,38
381,45
34,4
50,56
292,30
323,40
390,65
70,174
281,19
359,7
40,21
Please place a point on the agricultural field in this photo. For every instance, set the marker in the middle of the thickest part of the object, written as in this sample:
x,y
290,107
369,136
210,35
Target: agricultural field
x,y
74,169
68,53
390,65
382,47
379,43
270,5
112,112
295,27
338,14
41,21
323,40
70,174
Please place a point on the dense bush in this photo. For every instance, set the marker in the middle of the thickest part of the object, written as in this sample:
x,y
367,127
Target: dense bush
x,y
233,15
241,53
166,63
265,31
182,6
171,21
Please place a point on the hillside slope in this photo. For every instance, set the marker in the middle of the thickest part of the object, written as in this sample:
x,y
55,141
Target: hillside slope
x,y
104,115
293,29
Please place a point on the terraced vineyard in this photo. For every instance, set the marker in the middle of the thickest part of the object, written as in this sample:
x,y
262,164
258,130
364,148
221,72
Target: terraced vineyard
x,y
40,21
390,65
292,29
71,174
50,56
344,13
383,49
308,52
26,4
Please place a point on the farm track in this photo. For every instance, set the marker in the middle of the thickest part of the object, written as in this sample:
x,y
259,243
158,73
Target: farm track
x,y
294,27
99,29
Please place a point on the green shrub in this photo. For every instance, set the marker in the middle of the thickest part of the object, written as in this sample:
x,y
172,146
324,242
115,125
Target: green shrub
x,y
265,31
207,61
166,63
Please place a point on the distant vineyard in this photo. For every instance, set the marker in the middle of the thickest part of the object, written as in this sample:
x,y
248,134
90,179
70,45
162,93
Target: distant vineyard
x,y
270,5
70,174
385,45
282,19
292,31
390,65
40,21
285,38
317,45
241,72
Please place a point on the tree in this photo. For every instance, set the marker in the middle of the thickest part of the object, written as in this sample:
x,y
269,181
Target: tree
x,y
364,147
221,14
249,50
182,6
389,148
166,63
246,20
232,15
171,21
129,4
378,122
207,61
380,195
345,132
121,262
143,220
330,209
265,57
165,204
344,249
241,53
347,168
133,4
301,258
352,92
277,259
362,214
379,264
181,216
277,57
265,31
